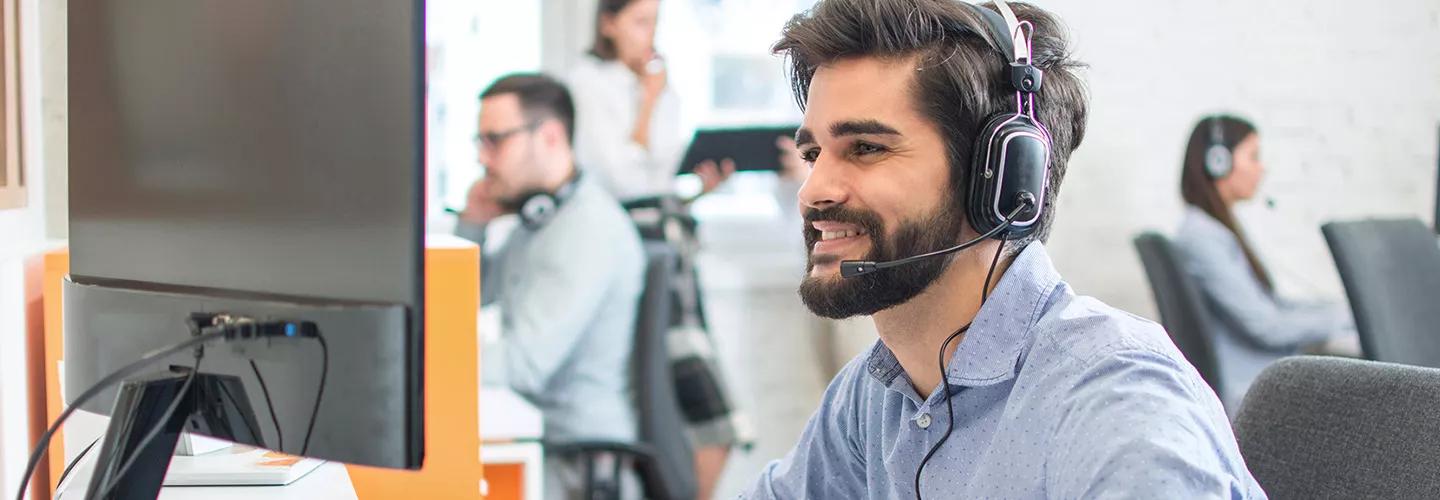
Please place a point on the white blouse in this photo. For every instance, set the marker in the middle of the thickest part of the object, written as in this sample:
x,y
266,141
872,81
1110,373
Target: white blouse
x,y
607,99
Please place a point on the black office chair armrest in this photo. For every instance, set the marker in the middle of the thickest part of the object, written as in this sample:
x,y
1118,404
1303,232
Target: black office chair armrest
x,y
652,213
644,202
642,456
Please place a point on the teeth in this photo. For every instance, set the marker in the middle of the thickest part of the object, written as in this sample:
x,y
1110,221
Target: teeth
x,y
832,235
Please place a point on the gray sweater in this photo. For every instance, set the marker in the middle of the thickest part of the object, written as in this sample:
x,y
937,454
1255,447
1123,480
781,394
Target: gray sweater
x,y
1254,327
568,293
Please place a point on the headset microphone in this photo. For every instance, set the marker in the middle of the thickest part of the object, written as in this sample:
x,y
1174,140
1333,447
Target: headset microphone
x,y
853,268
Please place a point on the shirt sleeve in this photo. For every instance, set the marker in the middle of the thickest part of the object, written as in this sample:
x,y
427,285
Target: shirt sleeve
x,y
826,462
489,280
1241,301
547,312
1136,427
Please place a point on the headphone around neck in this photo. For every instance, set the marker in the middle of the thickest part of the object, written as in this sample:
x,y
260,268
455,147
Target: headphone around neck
x,y
539,208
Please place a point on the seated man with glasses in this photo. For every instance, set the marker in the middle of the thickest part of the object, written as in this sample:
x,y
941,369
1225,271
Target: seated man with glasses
x,y
567,280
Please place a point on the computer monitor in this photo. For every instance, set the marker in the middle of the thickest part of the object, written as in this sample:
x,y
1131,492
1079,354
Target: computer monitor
x,y
260,159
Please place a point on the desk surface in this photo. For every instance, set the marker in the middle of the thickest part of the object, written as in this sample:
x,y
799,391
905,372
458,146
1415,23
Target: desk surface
x,y
329,482
505,416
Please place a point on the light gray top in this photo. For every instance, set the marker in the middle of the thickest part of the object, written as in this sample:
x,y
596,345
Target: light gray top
x,y
568,294
1253,326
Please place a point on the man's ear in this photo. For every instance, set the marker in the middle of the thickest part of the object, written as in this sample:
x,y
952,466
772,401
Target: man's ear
x,y
553,133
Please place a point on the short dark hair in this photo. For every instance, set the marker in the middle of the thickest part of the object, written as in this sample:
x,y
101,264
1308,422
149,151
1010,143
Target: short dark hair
x,y
540,96
958,81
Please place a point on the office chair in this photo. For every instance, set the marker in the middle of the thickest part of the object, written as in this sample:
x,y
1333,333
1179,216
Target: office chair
x,y
1391,271
1328,427
663,458
1182,307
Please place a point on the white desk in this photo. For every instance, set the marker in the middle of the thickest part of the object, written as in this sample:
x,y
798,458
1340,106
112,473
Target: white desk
x,y
329,482
510,431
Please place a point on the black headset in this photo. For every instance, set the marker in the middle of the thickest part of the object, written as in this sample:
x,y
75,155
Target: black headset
x,y
539,208
1219,160
1011,165
1012,149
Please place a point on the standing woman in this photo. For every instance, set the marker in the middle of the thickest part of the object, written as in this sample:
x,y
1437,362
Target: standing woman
x,y
628,136
628,132
1255,327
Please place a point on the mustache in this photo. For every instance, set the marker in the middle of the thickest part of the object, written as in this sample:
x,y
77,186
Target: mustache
x,y
867,220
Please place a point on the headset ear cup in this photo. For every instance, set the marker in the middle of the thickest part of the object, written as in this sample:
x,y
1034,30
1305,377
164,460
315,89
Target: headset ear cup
x,y
982,177
1011,156
537,210
1219,161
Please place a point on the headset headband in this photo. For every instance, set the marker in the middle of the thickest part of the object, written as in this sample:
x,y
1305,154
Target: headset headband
x,y
1011,41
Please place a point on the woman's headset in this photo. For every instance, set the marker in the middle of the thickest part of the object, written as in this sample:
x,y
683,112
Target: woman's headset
x,y
1219,160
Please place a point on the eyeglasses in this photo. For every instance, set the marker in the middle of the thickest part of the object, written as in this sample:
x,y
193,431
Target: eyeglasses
x,y
492,140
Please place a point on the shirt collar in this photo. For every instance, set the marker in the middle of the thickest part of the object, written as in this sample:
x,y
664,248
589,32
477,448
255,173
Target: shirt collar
x,y
989,351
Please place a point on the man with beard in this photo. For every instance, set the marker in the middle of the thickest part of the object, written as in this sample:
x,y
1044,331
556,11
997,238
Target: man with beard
x,y
992,378
568,280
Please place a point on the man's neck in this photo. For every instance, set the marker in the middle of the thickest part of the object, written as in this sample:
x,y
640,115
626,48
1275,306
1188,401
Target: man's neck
x,y
561,170
915,330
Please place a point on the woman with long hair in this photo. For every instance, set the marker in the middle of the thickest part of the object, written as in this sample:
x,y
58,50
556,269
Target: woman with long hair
x,y
1255,326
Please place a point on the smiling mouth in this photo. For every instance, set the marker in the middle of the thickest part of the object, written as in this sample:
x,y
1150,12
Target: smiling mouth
x,y
836,235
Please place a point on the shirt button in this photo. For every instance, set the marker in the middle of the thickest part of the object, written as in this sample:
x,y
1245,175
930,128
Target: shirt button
x,y
923,421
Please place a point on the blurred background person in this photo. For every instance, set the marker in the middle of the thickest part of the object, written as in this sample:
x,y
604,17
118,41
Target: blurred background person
x,y
629,136
629,127
566,325
1255,326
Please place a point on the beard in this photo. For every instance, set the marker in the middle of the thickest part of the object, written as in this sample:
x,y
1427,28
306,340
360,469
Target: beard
x,y
836,297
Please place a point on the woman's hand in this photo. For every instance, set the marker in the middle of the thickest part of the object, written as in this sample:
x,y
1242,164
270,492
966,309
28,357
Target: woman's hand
x,y
652,83
712,175
792,167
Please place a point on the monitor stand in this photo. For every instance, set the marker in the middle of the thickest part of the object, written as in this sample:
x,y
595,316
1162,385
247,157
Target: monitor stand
x,y
215,405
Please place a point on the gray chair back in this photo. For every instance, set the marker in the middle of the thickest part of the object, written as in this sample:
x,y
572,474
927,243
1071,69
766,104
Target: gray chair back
x,y
1391,271
1326,427
662,425
1182,307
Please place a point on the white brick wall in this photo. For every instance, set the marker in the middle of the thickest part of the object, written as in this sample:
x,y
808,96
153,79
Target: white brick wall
x,y
21,235
1346,96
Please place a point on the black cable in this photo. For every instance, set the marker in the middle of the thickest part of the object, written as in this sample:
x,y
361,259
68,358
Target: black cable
x,y
949,408
936,447
139,449
42,445
279,435
320,392
75,462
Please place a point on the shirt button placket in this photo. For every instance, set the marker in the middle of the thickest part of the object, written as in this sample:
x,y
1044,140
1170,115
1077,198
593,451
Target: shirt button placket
x,y
923,421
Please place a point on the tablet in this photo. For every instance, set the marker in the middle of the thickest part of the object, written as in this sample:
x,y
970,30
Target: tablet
x,y
752,148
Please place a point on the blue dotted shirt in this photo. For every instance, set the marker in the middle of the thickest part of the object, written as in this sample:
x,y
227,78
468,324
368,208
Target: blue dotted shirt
x,y
1055,396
